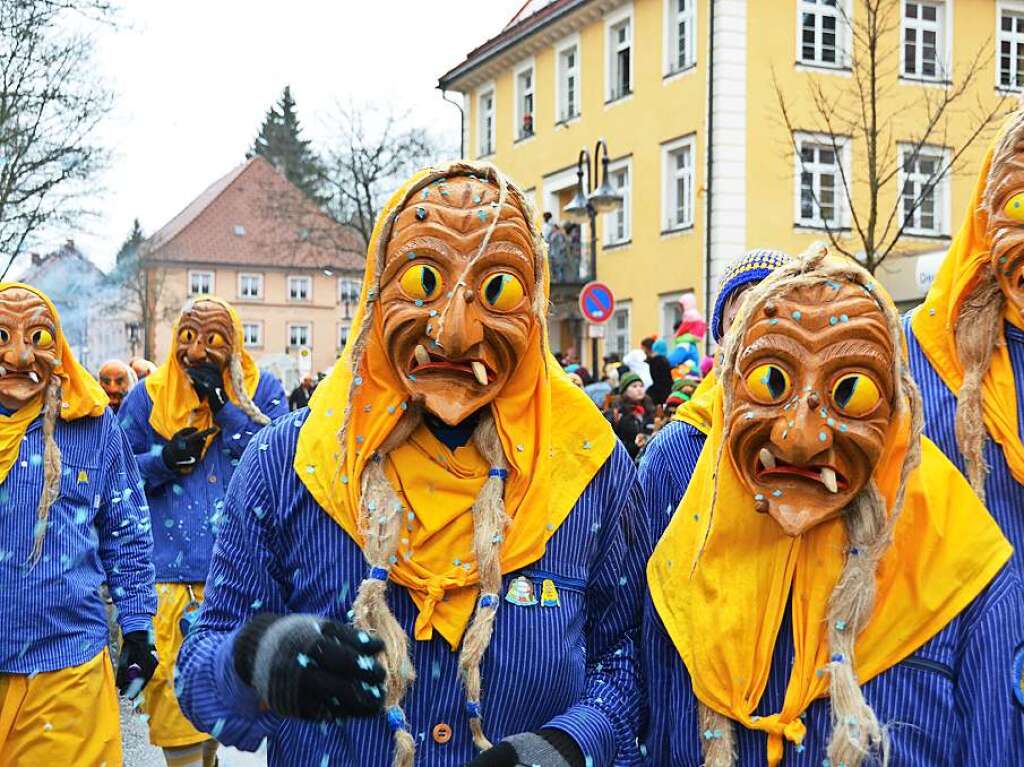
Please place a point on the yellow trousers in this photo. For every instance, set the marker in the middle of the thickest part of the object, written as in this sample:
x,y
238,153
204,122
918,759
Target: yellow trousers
x,y
69,717
168,727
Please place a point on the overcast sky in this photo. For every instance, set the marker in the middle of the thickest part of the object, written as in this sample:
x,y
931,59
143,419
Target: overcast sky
x,y
194,78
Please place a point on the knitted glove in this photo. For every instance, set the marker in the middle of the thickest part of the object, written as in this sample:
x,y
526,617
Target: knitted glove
x,y
136,664
310,667
544,748
183,451
208,381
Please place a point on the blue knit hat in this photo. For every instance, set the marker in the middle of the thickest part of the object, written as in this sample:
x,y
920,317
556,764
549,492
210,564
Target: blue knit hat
x,y
752,267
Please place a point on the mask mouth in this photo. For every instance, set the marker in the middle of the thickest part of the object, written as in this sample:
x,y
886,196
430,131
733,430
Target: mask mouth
x,y
9,374
424,361
769,466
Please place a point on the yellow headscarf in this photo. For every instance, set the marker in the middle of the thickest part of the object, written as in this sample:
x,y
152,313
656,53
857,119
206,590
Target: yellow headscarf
x,y
550,463
934,322
697,410
723,604
175,402
81,395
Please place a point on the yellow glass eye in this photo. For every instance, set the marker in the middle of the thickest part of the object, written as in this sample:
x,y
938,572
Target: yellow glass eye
x,y
421,282
216,341
1014,207
855,394
503,291
42,338
768,384
186,336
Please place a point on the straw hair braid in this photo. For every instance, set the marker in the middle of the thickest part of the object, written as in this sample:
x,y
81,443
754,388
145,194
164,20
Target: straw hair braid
x,y
245,403
978,330
718,737
856,732
51,468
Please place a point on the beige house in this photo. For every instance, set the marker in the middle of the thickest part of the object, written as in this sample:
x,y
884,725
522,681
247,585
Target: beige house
x,y
255,240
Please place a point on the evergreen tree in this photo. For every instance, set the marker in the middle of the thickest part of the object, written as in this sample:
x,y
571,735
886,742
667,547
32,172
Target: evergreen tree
x,y
131,245
281,142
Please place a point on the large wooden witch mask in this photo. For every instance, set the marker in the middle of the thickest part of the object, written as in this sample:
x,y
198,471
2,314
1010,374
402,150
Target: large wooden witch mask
x,y
205,335
28,346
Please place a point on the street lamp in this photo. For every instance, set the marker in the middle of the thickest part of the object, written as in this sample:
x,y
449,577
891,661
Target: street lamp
x,y
587,203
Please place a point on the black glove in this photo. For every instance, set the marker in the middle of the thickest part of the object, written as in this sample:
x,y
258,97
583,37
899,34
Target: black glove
x,y
208,381
544,748
183,451
137,663
311,667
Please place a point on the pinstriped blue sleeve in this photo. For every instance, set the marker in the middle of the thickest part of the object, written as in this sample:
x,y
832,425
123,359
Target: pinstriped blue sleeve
x,y
134,419
238,429
125,536
241,583
605,723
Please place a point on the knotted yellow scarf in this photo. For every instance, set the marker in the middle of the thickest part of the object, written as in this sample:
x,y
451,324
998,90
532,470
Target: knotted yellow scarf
x,y
934,322
550,464
175,402
723,607
697,410
81,395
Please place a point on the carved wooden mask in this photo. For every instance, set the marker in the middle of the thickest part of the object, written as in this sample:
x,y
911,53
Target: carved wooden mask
x,y
28,346
1004,197
205,335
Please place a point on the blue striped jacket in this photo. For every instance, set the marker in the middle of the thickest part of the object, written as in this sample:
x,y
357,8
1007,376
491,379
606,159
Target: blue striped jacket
x,y
570,667
98,531
952,703
188,510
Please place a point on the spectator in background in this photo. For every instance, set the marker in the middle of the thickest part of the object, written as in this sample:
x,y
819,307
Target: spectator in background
x,y
661,372
545,228
558,255
632,414
300,395
572,259
116,379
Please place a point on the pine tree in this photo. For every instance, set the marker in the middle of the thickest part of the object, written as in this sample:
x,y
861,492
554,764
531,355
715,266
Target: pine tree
x,y
280,141
131,245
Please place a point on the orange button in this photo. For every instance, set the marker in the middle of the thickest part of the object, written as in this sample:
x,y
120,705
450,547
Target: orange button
x,y
442,733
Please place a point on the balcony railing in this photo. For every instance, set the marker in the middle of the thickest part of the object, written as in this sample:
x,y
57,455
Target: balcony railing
x,y
569,262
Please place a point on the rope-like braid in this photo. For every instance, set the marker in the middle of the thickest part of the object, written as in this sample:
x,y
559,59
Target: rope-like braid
x,y
979,329
489,524
245,403
51,468
718,737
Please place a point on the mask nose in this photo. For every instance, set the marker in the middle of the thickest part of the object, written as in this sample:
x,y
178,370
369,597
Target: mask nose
x,y
462,329
196,352
19,352
803,438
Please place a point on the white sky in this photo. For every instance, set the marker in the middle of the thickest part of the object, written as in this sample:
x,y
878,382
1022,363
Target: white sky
x,y
194,78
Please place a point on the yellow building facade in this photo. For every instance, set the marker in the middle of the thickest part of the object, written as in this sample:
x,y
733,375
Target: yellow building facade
x,y
686,95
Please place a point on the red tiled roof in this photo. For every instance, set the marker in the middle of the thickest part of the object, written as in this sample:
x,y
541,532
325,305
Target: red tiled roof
x,y
255,216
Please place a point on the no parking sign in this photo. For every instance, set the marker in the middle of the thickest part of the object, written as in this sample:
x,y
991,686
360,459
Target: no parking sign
x,y
597,302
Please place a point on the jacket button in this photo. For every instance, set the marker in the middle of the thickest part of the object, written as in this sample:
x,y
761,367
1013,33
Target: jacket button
x,y
442,733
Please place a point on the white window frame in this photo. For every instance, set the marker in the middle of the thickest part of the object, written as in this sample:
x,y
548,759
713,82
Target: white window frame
x,y
613,21
562,114
309,334
350,296
486,145
518,114
1014,9
841,202
843,14
612,345
259,286
309,288
943,41
670,175
610,223
941,191
196,273
673,17
665,300
246,325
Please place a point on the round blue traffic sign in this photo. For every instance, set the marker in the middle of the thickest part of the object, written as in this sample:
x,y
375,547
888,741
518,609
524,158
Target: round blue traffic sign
x,y
597,303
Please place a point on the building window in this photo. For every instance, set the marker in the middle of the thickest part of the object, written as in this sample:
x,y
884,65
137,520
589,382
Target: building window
x,y
822,32
620,55
250,286
924,189
298,334
252,334
348,290
616,223
923,38
524,103
820,195
568,85
618,330
1011,48
681,35
200,283
671,313
343,328
485,121
299,288
677,158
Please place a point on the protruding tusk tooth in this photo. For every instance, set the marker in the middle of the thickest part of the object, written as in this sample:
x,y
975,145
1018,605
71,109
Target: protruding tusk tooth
x,y
421,355
767,459
3,371
828,479
33,376
480,372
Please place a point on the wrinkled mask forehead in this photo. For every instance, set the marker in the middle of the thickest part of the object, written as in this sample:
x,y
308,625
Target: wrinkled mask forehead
x,y
1004,204
812,398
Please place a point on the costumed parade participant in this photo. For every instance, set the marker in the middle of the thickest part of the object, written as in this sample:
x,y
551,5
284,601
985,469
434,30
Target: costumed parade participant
x,y
142,367
830,590
453,494
966,342
117,379
74,518
188,424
